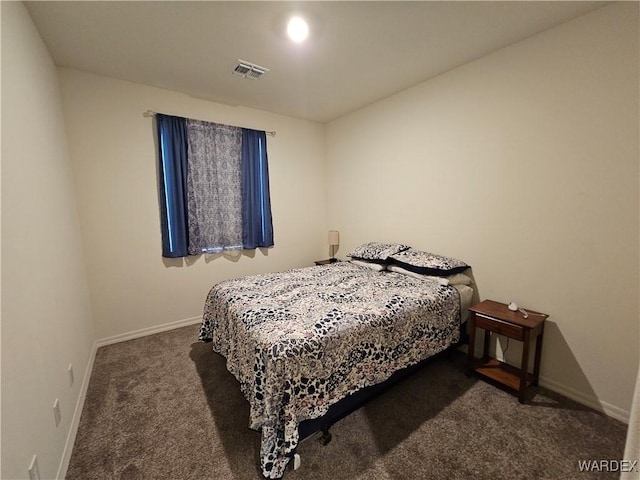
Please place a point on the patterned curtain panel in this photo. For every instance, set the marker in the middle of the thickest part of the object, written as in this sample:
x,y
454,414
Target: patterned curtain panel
x,y
214,188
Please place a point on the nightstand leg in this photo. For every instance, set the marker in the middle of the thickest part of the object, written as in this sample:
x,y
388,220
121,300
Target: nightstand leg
x,y
485,344
536,361
472,343
525,366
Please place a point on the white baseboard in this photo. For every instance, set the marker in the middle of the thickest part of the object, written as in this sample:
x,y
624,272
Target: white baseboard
x,y
77,413
143,332
604,407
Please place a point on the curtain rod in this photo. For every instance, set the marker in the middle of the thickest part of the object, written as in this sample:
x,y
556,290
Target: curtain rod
x,y
151,113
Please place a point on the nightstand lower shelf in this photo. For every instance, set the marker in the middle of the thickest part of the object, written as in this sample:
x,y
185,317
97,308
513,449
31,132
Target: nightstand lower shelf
x,y
501,372
496,318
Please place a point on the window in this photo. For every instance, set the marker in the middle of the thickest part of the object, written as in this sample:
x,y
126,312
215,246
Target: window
x,y
213,187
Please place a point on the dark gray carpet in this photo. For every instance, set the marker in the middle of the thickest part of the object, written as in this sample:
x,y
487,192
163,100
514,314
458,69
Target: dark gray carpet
x,y
165,407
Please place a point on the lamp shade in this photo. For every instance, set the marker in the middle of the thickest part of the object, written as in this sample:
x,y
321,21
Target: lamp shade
x,y
334,238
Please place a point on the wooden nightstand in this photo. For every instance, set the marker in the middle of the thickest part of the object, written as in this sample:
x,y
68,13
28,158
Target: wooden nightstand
x,y
496,317
328,261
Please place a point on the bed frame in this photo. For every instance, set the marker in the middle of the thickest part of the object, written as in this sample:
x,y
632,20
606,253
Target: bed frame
x,y
276,453
353,402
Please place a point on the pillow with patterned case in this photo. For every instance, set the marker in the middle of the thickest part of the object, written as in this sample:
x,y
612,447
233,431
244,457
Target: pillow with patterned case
x,y
376,251
427,263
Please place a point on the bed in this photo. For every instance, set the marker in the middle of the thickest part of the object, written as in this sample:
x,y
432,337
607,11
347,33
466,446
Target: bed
x,y
303,340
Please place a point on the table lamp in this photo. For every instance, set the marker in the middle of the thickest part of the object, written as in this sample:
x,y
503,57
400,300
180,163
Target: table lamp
x,y
333,241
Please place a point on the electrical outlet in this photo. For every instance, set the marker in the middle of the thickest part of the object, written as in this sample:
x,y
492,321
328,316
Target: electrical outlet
x,y
34,471
57,414
71,379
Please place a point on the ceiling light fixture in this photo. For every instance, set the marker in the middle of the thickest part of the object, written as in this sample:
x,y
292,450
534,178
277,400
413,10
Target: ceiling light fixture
x,y
297,29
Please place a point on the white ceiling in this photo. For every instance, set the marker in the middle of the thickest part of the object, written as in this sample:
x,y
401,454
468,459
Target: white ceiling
x,y
357,52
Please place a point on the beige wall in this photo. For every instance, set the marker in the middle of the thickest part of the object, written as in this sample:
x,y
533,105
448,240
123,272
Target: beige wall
x,y
114,161
524,163
46,316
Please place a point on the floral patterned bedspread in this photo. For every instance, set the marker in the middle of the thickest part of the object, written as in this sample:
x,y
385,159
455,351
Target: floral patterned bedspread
x,y
301,340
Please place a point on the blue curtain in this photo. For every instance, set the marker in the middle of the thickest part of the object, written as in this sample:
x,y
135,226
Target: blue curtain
x,y
257,227
172,184
185,195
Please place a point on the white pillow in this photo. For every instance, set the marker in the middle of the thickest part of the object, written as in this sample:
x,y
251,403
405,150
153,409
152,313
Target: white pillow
x,y
459,279
394,268
372,265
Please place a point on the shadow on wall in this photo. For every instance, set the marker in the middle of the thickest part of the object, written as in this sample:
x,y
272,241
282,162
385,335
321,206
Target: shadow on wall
x,y
556,349
230,255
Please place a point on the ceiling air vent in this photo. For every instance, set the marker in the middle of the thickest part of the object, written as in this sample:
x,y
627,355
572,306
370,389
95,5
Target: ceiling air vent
x,y
249,70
